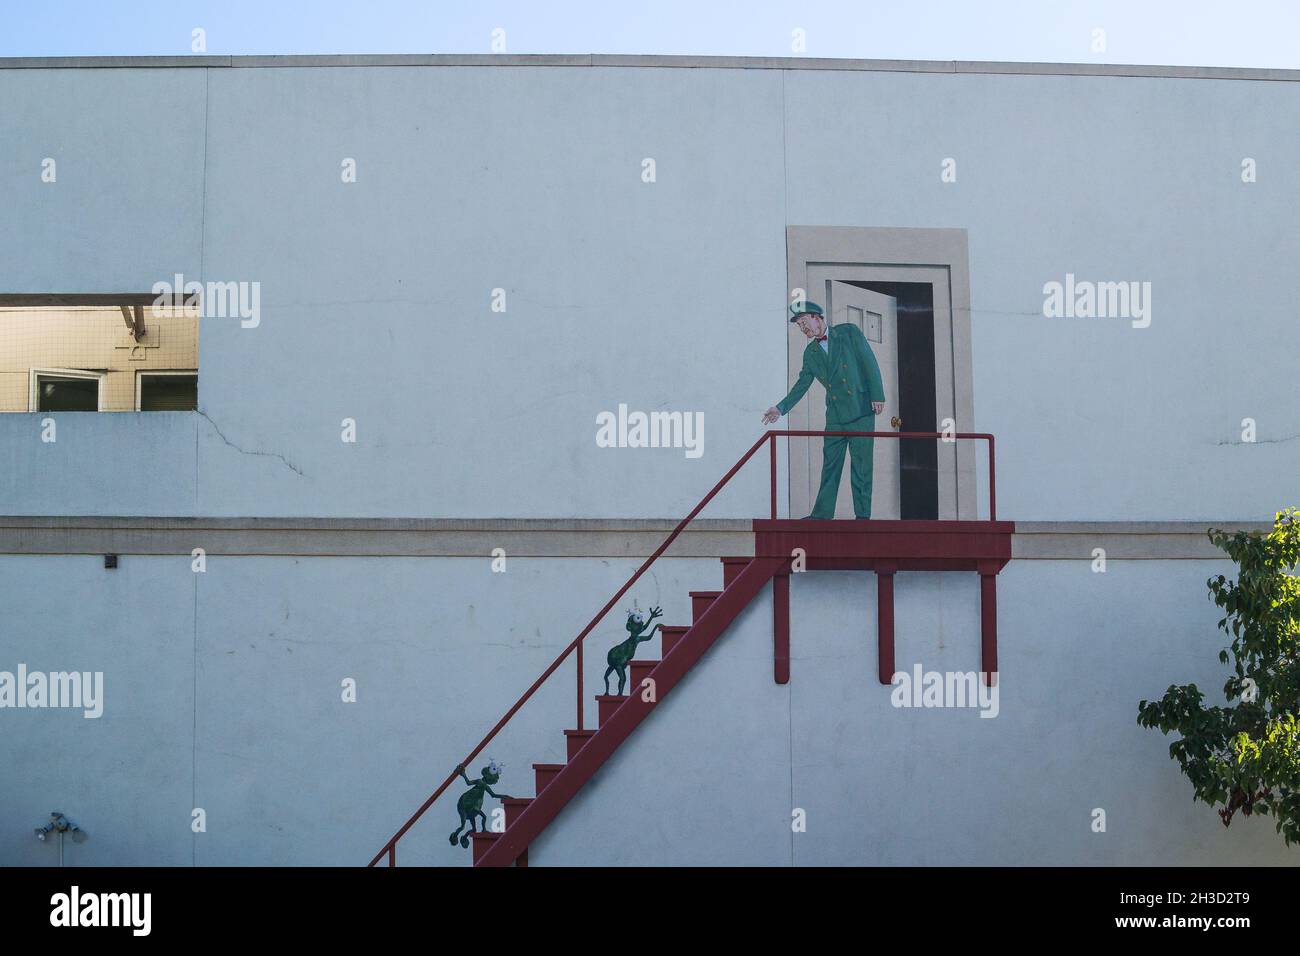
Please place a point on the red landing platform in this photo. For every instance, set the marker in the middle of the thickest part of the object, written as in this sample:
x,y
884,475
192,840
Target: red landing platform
x,y
887,547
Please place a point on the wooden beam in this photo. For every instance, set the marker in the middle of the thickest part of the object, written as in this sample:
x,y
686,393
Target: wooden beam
x,y
104,299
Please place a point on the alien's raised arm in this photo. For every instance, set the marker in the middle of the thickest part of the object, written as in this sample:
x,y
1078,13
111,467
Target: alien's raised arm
x,y
460,769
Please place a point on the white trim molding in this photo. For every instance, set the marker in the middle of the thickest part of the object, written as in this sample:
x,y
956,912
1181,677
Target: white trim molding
x,y
544,537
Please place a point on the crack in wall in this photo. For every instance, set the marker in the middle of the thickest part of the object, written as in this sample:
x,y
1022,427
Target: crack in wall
x,y
1259,441
245,451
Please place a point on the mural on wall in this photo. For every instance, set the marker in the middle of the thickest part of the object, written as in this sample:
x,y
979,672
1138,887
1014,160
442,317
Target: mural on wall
x,y
470,804
621,654
841,359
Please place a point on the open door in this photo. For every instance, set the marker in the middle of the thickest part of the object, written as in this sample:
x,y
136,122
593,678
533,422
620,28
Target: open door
x,y
877,316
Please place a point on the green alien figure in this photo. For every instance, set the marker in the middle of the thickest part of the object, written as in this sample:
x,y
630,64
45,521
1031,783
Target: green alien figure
x,y
470,804
620,654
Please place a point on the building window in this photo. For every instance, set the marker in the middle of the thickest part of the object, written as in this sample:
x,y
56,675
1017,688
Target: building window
x,y
170,391
90,352
64,390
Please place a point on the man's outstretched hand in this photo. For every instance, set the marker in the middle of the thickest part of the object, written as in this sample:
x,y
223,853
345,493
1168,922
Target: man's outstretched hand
x,y
877,407
771,415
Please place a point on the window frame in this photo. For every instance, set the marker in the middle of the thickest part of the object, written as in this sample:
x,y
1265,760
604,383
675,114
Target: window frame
x,y
33,385
140,373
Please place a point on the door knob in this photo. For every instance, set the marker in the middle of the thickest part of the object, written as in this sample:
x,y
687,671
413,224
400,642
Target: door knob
x,y
896,422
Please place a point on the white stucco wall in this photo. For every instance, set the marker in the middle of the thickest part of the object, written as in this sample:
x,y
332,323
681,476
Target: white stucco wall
x,y
223,688
222,691
375,295
713,777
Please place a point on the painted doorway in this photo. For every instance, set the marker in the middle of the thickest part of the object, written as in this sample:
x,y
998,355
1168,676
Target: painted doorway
x,y
920,279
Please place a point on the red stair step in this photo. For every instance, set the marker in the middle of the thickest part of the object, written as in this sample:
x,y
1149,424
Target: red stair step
x,y
575,739
640,671
482,842
606,704
515,806
700,601
544,773
670,634
731,567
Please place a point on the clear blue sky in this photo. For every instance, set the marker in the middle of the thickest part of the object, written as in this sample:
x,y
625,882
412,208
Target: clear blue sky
x,y
1181,32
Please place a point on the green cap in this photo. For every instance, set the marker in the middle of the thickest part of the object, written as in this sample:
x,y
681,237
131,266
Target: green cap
x,y
807,308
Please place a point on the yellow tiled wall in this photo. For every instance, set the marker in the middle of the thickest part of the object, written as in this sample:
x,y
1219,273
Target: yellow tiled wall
x,y
93,339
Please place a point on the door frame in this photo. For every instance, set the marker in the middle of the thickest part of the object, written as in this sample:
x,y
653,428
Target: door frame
x,y
870,253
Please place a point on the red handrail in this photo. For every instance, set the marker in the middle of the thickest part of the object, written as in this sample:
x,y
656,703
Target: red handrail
x,y
390,848
946,436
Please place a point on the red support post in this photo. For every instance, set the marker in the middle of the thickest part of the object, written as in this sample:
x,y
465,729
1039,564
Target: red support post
x,y
989,622
781,627
392,854
580,727
773,450
885,621
993,482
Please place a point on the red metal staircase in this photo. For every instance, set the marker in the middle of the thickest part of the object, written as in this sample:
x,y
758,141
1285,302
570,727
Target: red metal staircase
x,y
884,547
556,786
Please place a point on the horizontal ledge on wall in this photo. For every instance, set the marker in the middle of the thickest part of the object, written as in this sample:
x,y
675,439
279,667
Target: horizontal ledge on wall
x,y
373,537
637,60
541,537
1133,540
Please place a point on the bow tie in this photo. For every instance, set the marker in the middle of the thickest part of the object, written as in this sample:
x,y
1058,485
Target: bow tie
x,y
821,338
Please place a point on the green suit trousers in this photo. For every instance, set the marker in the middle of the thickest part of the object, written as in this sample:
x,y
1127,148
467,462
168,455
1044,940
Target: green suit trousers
x,y
860,450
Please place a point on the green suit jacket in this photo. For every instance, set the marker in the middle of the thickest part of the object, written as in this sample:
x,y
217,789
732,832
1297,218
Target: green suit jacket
x,y
850,375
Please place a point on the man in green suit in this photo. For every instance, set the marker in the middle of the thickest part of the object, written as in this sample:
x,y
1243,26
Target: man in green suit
x,y
842,360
